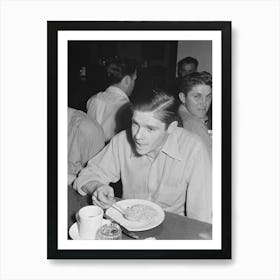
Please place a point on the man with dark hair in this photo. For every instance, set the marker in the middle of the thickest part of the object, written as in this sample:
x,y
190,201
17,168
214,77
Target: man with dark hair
x,y
186,66
156,160
196,96
111,107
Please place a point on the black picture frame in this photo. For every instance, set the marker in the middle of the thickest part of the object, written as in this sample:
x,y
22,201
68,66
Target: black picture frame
x,y
53,27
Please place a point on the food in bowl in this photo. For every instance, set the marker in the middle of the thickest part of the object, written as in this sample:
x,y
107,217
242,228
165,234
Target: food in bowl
x,y
140,213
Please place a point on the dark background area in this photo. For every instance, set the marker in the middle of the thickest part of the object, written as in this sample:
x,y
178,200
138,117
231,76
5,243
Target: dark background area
x,y
86,59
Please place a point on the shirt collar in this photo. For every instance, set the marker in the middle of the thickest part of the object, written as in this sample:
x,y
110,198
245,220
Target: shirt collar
x,y
184,110
171,146
115,90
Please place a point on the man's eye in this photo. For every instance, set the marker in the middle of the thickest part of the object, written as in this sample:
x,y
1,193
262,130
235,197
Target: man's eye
x,y
150,129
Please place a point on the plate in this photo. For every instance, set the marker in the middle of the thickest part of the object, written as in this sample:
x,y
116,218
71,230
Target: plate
x,y
74,233
134,225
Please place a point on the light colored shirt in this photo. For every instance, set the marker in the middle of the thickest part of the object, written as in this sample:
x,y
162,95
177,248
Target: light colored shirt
x,y
107,108
197,126
179,179
85,139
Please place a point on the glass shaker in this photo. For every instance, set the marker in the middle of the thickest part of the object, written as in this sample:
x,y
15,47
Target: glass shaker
x,y
109,232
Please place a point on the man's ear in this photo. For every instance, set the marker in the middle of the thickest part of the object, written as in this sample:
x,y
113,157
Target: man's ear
x,y
182,97
126,80
172,126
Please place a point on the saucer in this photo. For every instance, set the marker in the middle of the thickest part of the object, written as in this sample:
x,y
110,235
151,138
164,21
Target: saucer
x,y
74,233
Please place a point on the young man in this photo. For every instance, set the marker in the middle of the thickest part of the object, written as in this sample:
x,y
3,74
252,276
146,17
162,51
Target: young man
x,y
196,96
110,108
156,160
187,66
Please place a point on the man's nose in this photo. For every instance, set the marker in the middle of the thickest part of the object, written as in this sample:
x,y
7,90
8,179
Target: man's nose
x,y
203,102
139,133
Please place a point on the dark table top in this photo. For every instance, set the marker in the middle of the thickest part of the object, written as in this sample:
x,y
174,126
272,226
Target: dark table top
x,y
174,227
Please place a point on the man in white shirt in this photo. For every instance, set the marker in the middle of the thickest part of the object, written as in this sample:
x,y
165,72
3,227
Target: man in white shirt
x,y
85,139
156,160
196,97
111,107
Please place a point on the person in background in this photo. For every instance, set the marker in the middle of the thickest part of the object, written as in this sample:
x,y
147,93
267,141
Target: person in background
x,y
156,161
196,96
111,107
85,139
186,66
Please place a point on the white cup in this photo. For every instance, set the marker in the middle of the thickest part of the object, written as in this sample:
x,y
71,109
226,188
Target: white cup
x,y
89,220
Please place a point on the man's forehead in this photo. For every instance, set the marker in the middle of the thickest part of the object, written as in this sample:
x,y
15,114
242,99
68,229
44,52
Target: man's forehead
x,y
202,89
188,66
146,118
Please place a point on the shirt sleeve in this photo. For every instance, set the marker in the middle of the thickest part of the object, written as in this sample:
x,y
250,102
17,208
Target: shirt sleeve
x,y
116,117
197,127
91,140
199,191
96,110
103,168
86,139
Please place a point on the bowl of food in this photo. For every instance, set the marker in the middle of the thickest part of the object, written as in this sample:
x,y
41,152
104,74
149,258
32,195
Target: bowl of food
x,y
139,214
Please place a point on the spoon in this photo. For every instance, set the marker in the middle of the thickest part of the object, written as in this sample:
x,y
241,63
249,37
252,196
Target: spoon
x,y
116,207
122,211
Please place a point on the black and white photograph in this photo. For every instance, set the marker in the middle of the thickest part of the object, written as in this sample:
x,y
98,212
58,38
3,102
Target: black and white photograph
x,y
139,140
141,117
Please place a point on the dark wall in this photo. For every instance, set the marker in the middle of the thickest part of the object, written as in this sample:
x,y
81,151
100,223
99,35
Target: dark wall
x,y
86,72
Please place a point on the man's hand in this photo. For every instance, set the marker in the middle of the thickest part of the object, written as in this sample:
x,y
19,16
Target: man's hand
x,y
104,196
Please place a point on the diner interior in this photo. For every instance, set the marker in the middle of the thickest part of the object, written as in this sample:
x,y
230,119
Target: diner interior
x,y
157,68
157,64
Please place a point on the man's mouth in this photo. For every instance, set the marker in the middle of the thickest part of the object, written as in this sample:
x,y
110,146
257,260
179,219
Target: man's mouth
x,y
202,111
140,144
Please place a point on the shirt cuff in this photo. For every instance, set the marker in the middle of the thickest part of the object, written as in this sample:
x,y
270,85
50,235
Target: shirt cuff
x,y
78,187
